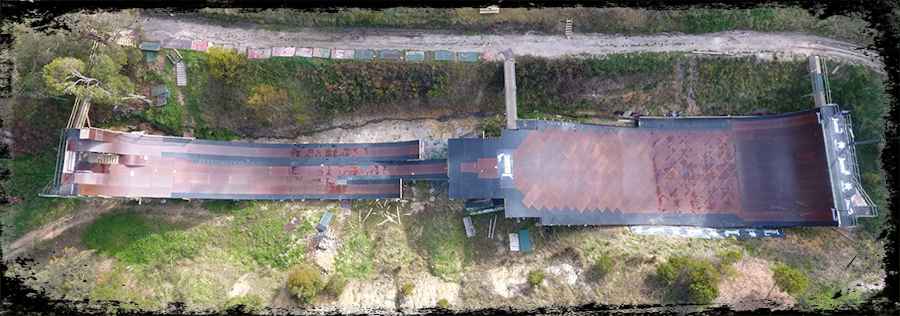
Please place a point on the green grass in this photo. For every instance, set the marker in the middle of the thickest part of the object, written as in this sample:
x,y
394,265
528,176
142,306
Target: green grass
x,y
112,233
354,259
444,239
547,20
29,175
255,235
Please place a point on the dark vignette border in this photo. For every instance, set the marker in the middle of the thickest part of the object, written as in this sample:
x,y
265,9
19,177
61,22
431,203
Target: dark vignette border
x,y
882,16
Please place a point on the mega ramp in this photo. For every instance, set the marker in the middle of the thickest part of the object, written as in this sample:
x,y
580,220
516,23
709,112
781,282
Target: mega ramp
x,y
768,171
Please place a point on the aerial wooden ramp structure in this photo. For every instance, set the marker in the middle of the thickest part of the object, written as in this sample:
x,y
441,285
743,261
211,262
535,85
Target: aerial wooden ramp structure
x,y
103,163
793,169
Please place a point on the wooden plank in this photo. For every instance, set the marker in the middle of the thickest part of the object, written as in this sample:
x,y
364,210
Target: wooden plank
x,y
470,229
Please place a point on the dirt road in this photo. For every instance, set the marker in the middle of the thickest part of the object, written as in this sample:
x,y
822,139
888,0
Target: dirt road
x,y
737,43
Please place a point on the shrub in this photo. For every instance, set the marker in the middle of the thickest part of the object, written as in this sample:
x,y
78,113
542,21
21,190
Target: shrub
x,y
335,285
730,257
443,303
225,64
407,289
535,277
304,281
603,266
790,280
697,278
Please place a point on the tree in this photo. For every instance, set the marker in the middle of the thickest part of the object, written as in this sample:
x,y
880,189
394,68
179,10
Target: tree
x,y
102,84
304,281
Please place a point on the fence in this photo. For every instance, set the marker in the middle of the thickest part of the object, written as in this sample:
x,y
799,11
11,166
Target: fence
x,y
332,53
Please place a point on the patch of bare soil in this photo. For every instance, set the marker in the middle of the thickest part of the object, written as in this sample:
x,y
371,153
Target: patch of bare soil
x,y
428,290
40,243
369,296
431,133
752,287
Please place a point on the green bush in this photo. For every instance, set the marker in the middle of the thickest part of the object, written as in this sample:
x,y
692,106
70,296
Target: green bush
x,y
535,277
225,64
407,289
443,303
730,257
603,265
304,281
690,279
791,280
335,285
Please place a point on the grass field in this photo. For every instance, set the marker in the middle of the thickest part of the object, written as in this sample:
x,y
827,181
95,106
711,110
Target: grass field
x,y
548,20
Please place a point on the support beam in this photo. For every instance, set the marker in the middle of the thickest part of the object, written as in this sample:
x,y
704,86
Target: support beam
x,y
818,81
509,84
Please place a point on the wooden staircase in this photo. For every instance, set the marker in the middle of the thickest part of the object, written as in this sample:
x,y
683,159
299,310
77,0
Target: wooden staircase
x,y
180,74
568,28
180,69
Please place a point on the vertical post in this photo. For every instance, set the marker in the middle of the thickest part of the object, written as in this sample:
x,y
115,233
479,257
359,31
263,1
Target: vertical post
x,y
509,84
818,82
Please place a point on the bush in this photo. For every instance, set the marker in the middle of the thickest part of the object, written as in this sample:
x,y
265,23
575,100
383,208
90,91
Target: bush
x,y
335,285
304,281
535,277
407,289
696,278
443,303
225,64
791,280
730,257
603,266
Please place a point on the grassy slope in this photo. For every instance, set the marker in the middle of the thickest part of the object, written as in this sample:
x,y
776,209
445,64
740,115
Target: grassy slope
x,y
152,252
547,20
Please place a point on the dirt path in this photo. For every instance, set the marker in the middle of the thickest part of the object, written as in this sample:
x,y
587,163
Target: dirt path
x,y
737,43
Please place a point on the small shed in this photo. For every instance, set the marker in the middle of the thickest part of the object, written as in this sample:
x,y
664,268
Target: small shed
x,y
159,94
524,241
150,50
